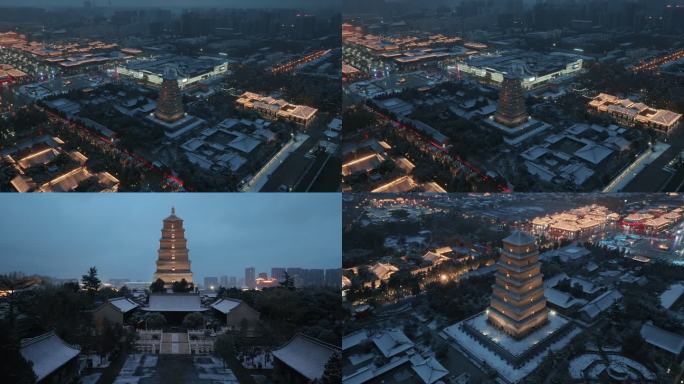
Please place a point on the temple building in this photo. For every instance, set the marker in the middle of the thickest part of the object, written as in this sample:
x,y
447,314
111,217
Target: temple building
x,y
517,304
630,113
511,110
173,263
170,103
511,117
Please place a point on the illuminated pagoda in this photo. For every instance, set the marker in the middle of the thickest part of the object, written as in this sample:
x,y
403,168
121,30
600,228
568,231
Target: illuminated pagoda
x,y
518,305
511,110
170,102
173,263
517,331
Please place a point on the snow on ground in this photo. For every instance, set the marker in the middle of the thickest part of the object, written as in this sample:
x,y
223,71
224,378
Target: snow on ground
x,y
127,374
91,379
360,358
98,361
498,363
580,363
257,358
645,372
211,368
516,347
596,370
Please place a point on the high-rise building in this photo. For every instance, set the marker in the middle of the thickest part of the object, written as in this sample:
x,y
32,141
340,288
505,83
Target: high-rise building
x,y
511,110
278,273
211,282
170,102
232,282
333,278
518,305
224,281
314,277
297,276
173,263
263,275
250,278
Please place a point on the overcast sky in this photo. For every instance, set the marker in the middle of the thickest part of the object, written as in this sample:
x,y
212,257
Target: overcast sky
x,y
62,235
181,3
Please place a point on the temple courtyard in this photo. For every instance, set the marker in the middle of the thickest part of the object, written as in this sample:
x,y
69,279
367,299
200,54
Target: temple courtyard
x,y
154,369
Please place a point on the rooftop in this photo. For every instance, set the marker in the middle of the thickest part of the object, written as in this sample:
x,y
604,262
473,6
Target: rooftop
x,y
306,355
174,302
47,353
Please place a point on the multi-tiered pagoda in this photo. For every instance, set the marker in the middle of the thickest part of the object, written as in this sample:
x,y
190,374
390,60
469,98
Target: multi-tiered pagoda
x,y
170,102
518,305
173,263
511,110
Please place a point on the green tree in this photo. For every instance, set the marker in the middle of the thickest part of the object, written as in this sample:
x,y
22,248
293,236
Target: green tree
x,y
288,282
13,282
90,281
193,320
13,367
157,286
333,370
224,346
155,320
182,286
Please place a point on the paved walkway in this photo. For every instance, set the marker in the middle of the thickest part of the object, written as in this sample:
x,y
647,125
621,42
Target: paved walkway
x,y
175,344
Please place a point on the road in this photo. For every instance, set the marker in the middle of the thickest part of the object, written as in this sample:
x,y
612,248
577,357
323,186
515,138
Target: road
x,y
261,178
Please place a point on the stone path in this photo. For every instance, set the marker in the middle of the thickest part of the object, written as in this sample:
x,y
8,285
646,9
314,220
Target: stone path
x,y
175,344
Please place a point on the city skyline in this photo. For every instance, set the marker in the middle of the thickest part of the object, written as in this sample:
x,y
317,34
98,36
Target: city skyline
x,y
223,239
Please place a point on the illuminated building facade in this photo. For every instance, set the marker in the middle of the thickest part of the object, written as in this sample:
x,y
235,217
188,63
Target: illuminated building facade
x,y
539,70
173,263
511,110
170,103
277,108
630,113
518,305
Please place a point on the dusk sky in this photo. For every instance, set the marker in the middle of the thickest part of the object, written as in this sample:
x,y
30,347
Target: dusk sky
x,y
62,235
180,3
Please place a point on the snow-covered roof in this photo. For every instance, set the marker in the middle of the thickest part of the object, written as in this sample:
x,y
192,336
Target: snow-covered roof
x,y
47,353
429,370
671,295
123,304
306,355
353,339
661,338
392,342
601,303
226,305
561,299
175,302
